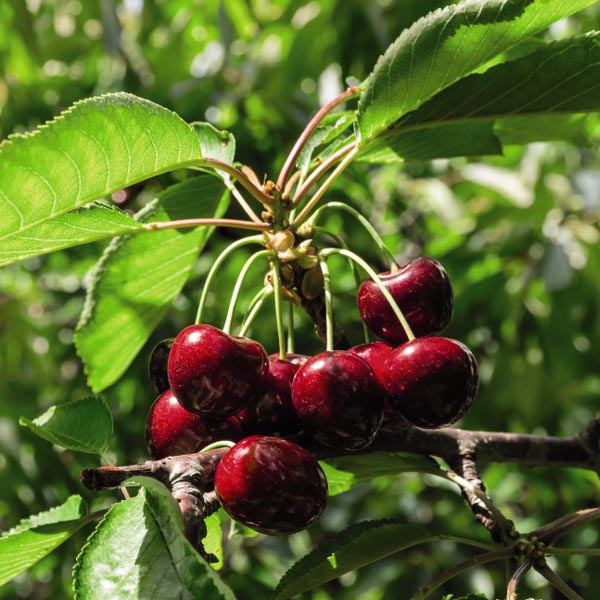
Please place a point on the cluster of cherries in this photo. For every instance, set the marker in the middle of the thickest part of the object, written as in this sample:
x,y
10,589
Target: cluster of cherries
x,y
214,386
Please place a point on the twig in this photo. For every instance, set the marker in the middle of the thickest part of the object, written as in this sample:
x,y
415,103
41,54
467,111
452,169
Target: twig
x,y
557,582
511,589
308,130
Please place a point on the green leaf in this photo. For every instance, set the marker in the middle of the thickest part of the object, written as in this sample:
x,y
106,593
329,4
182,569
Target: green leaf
x,y
543,128
94,148
213,540
443,47
329,129
346,472
38,535
138,277
81,226
359,545
562,77
84,425
139,551
444,141
214,143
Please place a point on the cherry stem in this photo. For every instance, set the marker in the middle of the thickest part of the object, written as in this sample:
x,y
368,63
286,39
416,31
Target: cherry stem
x,y
353,269
276,274
219,444
241,200
181,223
573,551
328,302
481,559
511,589
254,239
308,131
238,286
324,187
502,521
557,582
318,172
365,223
253,308
290,330
393,304
240,177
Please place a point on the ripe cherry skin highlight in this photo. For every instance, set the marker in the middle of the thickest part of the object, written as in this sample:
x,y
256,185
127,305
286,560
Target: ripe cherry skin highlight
x,y
173,430
214,374
338,400
431,381
272,413
271,485
423,292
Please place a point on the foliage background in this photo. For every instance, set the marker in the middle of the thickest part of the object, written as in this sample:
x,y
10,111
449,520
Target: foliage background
x,y
518,235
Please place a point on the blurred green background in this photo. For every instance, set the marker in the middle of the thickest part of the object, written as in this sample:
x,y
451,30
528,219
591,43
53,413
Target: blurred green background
x,y
518,235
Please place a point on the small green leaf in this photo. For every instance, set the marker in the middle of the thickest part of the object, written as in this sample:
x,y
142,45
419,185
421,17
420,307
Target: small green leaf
x,y
346,472
38,535
445,46
213,540
359,545
138,277
214,143
84,425
94,148
139,551
81,226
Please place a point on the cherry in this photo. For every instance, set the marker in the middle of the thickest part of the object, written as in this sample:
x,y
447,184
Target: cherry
x,y
375,354
338,400
431,381
272,412
423,292
157,365
172,430
271,485
214,374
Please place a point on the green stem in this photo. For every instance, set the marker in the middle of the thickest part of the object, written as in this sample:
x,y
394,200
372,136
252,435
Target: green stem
x,y
219,444
308,130
238,286
393,304
365,223
353,269
481,559
241,200
290,330
254,239
513,582
235,223
328,302
324,187
558,582
256,192
253,308
317,173
573,551
278,311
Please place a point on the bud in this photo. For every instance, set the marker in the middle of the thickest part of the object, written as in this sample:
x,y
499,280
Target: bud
x,y
312,283
282,241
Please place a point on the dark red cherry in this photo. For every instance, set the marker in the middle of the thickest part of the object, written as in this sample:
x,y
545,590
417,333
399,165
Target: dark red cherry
x,y
157,365
271,485
172,430
376,355
423,292
297,359
431,381
272,412
338,400
214,374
